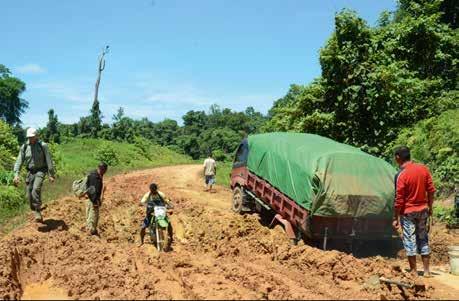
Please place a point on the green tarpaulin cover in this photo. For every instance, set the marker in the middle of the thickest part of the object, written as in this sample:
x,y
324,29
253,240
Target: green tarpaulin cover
x,y
323,176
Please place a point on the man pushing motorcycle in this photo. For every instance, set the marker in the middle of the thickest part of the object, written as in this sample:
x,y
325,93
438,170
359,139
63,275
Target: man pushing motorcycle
x,y
156,202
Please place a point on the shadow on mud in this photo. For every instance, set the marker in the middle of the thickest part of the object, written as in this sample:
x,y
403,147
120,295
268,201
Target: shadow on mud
x,y
52,225
358,248
368,248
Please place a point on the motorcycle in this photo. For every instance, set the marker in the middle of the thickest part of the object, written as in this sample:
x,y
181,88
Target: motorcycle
x,y
160,228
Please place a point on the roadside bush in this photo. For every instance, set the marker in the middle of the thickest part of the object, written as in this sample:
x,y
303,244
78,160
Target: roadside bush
x,y
11,200
219,155
6,177
445,214
7,138
107,154
57,157
6,159
8,146
142,147
434,142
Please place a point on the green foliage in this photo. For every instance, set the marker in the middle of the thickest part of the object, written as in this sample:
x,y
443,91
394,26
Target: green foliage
x,y
8,146
143,147
219,129
220,156
190,145
95,119
224,139
445,214
58,158
107,153
12,200
223,172
6,178
376,81
434,141
11,104
51,132
7,139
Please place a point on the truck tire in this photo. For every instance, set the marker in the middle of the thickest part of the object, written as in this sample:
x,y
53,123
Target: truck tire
x,y
238,200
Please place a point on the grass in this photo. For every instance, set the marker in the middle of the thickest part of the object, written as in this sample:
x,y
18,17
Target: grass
x,y
75,158
223,173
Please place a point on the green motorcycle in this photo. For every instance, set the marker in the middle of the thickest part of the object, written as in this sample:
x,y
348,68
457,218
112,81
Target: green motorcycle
x,y
160,228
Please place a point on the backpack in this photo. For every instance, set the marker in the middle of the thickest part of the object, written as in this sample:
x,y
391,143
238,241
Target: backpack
x,y
80,187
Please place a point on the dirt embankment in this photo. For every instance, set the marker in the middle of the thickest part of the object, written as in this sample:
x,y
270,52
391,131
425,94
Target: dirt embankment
x,y
216,253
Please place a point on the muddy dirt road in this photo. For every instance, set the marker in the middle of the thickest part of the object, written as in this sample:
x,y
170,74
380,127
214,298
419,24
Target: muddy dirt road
x,y
216,253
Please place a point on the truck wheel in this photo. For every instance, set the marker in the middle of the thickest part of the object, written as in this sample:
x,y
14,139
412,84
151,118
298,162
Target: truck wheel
x,y
238,199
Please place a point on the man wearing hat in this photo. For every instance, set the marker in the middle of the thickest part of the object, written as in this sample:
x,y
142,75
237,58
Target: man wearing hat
x,y
37,159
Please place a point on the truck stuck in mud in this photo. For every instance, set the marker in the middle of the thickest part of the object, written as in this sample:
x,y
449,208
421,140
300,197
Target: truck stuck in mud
x,y
315,187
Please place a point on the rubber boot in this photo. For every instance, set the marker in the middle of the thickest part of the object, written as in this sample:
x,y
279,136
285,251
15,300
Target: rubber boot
x,y
38,216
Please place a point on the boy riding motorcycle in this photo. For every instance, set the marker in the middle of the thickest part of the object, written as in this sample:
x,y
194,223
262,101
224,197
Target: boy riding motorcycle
x,y
151,199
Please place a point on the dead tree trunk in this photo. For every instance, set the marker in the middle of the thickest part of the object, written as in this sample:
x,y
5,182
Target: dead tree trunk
x,y
100,69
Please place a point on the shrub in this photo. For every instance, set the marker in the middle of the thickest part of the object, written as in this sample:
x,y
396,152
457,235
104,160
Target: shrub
x,y
9,146
434,142
57,157
445,214
142,147
6,177
11,201
106,153
219,155
7,138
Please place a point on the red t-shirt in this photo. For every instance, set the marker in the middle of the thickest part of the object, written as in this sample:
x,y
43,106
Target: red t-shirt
x,y
412,184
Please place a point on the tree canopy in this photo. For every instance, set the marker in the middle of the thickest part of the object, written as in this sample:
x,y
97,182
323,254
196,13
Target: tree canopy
x,y
11,104
377,80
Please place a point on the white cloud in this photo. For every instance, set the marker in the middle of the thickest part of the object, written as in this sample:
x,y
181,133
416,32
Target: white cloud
x,y
30,69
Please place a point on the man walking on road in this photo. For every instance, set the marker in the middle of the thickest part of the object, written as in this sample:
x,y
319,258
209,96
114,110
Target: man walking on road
x,y
37,159
210,171
414,196
95,194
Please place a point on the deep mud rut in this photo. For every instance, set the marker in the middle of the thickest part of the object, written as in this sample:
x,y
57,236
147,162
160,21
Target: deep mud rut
x,y
216,253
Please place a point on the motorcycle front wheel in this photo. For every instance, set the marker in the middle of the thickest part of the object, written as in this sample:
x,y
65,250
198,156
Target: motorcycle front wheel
x,y
163,239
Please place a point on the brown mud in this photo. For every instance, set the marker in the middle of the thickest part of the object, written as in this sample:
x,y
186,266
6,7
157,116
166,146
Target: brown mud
x,y
216,254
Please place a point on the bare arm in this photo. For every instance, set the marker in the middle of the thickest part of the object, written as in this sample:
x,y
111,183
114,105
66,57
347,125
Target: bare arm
x,y
430,192
399,200
430,199
103,193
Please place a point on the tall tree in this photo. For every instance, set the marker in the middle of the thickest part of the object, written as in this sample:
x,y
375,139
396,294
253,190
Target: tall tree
x,y
96,114
52,133
11,104
376,80
119,114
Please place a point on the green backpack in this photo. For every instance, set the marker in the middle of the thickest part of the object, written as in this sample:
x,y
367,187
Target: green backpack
x,y
80,187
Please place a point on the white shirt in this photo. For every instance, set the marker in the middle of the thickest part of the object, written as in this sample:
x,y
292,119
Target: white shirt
x,y
210,167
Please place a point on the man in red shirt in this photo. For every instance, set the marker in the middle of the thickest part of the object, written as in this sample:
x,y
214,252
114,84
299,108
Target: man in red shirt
x,y
414,195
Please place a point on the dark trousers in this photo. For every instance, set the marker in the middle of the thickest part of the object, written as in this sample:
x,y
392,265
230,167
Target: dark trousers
x,y
34,182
